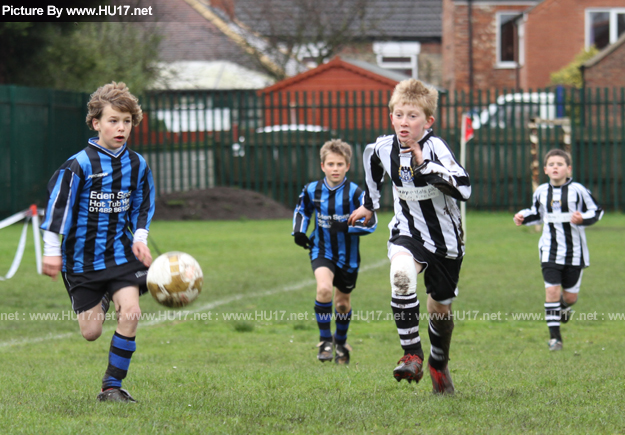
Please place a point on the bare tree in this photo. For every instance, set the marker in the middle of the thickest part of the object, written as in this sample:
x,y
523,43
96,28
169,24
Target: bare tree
x,y
286,31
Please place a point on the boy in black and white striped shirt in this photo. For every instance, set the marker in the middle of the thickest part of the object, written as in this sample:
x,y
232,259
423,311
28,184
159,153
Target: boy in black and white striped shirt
x,y
426,231
566,208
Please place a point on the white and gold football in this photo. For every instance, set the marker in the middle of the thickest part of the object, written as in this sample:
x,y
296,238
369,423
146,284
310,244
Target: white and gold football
x,y
175,279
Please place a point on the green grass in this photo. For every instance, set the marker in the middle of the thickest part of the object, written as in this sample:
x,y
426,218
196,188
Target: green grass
x,y
196,372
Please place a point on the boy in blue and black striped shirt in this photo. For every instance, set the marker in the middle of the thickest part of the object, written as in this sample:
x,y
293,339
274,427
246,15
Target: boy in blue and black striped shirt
x,y
334,246
101,200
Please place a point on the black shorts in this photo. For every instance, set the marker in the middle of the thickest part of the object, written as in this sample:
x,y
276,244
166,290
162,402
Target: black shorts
x,y
344,281
440,274
87,289
558,274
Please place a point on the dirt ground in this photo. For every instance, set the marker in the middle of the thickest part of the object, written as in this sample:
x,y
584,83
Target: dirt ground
x,y
219,203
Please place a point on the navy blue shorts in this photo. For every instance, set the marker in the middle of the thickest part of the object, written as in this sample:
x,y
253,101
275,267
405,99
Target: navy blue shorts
x,y
344,281
87,289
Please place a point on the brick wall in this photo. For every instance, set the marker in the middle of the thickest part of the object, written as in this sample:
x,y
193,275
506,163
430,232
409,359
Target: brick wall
x,y
608,72
554,34
565,37
456,68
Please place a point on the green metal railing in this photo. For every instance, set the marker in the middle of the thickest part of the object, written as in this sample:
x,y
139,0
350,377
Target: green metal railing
x,y
270,143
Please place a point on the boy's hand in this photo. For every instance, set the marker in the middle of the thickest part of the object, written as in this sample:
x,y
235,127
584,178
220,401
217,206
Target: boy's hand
x,y
359,213
577,218
142,252
338,227
302,240
415,149
518,219
52,265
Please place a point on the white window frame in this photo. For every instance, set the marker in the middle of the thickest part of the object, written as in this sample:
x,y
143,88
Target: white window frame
x,y
507,64
613,23
409,50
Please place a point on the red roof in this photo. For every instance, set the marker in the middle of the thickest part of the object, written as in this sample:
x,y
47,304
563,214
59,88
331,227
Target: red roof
x,y
339,74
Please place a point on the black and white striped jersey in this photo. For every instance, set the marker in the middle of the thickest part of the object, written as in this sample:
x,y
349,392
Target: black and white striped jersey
x,y
562,242
424,197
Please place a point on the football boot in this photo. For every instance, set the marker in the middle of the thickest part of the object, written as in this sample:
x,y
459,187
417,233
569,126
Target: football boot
x,y
115,395
325,351
410,368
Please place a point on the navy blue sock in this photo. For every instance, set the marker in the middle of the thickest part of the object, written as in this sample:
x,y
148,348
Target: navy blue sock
x,y
323,313
342,325
120,354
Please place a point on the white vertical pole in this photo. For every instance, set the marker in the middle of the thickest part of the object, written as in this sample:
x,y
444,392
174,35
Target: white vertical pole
x,y
37,236
463,158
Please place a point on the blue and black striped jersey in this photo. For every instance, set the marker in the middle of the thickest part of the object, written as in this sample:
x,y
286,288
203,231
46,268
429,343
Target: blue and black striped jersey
x,y
332,205
97,199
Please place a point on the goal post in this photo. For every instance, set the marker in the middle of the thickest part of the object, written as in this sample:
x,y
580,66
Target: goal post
x,y
533,125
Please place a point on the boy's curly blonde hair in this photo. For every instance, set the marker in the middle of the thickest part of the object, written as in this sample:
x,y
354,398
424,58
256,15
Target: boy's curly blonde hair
x,y
119,97
415,93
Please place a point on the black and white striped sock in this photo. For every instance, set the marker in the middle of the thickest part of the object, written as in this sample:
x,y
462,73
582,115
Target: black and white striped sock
x,y
406,313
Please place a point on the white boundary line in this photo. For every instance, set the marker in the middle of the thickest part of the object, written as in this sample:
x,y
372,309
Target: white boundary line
x,y
205,307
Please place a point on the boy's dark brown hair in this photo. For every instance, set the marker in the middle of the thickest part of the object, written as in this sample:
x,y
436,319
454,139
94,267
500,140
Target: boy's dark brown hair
x,y
119,97
559,153
336,146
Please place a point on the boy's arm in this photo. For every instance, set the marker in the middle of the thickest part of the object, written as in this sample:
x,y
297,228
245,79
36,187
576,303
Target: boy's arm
x,y
143,207
301,219
445,174
359,226
62,193
62,190
374,175
591,212
303,212
52,262
530,216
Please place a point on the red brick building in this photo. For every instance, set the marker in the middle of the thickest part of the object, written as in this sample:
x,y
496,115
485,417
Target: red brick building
x,y
519,43
607,68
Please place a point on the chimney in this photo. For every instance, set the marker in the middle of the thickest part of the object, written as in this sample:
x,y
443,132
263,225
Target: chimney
x,y
225,5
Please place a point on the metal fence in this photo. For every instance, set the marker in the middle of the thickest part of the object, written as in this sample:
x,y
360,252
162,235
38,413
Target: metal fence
x,y
270,143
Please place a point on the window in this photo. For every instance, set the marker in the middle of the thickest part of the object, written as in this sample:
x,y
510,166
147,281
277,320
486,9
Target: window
x,y
604,26
401,57
507,40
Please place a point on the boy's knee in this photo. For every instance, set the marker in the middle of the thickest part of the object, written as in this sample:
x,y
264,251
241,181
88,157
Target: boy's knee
x,y
342,307
324,292
91,334
553,293
569,298
403,275
130,314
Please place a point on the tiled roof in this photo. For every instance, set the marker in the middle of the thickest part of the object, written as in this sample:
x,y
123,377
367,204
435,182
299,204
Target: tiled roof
x,y
388,19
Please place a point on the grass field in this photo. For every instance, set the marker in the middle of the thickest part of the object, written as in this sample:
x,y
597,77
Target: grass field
x,y
242,359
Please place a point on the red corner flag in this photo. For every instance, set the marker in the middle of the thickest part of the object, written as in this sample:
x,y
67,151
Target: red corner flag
x,y
467,128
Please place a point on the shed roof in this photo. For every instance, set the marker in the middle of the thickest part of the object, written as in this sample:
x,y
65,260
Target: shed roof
x,y
367,70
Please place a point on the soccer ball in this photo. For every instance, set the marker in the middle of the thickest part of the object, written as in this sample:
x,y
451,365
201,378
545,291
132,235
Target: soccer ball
x,y
175,279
